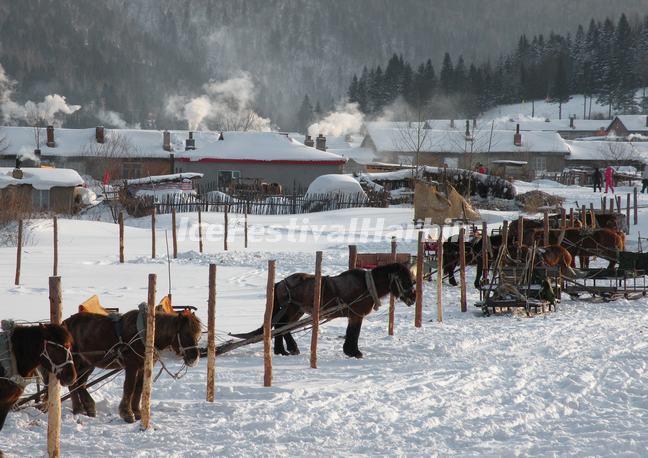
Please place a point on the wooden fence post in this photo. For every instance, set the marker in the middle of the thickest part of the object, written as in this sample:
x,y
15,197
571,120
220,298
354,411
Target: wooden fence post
x,y
392,299
618,204
440,276
583,217
19,252
353,256
174,233
462,267
200,241
572,222
545,228
55,268
211,334
245,228
485,243
628,211
611,204
226,222
604,204
520,232
148,354
121,237
563,218
53,386
418,313
153,234
267,326
636,212
317,297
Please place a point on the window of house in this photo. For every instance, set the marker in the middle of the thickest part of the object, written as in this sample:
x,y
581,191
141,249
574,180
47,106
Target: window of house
x,y
540,163
131,170
40,199
225,177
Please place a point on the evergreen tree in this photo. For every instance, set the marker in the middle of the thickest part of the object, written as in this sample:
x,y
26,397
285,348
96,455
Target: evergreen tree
x,y
623,64
305,114
560,92
446,79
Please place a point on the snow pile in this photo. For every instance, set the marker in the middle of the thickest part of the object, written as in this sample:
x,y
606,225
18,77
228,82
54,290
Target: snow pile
x,y
335,184
164,178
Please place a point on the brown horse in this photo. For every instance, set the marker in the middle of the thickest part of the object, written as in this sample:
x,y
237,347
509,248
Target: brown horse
x,y
31,347
113,343
294,297
587,242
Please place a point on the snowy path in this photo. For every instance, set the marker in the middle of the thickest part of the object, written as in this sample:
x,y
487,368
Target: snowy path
x,y
573,382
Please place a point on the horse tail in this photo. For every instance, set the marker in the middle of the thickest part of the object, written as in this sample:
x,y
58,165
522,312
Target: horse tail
x,y
277,313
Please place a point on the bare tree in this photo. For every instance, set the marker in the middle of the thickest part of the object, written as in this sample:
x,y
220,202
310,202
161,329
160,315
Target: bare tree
x,y
475,144
36,119
241,121
619,152
413,136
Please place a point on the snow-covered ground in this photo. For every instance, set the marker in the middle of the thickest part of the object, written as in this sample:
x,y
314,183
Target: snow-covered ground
x,y
572,382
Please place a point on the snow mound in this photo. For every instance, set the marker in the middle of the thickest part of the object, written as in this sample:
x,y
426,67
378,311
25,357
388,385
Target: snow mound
x,y
335,184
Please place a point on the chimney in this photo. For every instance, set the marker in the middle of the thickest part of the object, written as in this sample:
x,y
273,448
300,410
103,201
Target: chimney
x,y
646,121
517,138
221,137
50,137
309,141
321,142
190,143
452,123
571,122
172,163
17,173
467,129
166,141
99,134
474,123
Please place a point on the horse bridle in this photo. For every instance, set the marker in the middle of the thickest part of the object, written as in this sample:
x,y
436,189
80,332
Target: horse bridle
x,y
394,278
54,367
183,348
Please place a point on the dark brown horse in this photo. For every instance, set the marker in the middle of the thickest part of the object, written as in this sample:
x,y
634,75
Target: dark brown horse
x,y
108,343
294,297
47,346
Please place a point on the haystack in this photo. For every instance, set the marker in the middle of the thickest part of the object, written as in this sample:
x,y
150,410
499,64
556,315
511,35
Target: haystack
x,y
432,205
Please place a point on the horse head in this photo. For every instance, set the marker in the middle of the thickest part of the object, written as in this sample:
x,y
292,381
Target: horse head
x,y
189,330
56,356
401,284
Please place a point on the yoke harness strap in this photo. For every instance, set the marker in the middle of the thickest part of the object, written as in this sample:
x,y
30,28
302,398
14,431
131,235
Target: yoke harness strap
x,y
371,286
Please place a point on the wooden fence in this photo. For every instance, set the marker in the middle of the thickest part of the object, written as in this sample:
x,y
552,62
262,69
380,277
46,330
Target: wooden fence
x,y
263,204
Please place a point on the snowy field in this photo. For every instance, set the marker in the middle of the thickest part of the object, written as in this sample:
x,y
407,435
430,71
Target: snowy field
x,y
572,382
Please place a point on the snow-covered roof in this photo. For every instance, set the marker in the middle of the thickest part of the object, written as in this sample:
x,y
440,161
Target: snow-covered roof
x,y
526,123
236,146
40,178
634,123
164,178
454,141
602,150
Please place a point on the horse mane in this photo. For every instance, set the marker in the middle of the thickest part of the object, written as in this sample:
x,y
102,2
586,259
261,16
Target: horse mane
x,y
392,268
170,323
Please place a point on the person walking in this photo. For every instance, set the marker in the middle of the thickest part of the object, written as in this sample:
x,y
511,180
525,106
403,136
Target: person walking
x,y
644,180
609,179
597,179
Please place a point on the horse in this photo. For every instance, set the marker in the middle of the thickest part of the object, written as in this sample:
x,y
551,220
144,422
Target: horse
x,y
115,342
586,242
30,347
359,290
473,249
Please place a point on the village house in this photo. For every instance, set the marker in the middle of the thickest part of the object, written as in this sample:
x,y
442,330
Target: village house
x,y
35,189
129,153
535,151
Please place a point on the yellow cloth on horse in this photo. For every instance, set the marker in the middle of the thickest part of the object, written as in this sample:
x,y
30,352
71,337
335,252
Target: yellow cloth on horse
x,y
92,305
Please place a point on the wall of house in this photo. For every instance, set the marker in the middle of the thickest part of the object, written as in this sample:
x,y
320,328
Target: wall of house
x,y
119,168
287,175
61,200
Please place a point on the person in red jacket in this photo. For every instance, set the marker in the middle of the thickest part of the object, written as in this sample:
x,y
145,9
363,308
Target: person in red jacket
x,y
609,179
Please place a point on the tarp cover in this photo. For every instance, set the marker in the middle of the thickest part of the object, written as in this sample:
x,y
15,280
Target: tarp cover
x,y
434,206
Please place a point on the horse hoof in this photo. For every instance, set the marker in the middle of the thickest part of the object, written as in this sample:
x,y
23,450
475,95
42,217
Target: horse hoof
x,y
295,351
137,415
281,353
128,419
91,413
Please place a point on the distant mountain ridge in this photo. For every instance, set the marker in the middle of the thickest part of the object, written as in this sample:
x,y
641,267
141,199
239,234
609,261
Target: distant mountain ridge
x,y
128,56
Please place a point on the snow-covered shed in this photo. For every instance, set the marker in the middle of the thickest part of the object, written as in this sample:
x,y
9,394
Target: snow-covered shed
x,y
604,153
39,189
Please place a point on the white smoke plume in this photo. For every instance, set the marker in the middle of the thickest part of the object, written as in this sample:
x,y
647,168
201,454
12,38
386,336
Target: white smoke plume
x,y
32,113
26,154
347,119
115,120
225,105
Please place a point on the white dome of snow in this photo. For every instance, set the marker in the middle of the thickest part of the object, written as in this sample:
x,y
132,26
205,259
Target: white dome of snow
x,y
335,184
